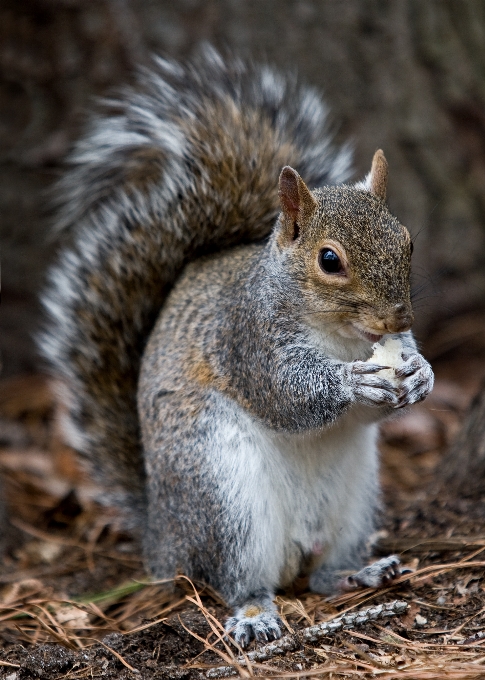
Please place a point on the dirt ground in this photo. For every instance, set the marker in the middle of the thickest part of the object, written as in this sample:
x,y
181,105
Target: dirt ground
x,y
76,603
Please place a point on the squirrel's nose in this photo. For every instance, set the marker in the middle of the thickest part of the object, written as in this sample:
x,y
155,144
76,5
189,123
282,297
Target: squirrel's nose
x,y
400,309
401,318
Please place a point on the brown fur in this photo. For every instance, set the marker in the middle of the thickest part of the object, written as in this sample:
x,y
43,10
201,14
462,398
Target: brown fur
x,y
377,253
143,170
378,175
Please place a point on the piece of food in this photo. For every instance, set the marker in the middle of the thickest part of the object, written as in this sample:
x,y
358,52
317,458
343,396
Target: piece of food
x,y
389,354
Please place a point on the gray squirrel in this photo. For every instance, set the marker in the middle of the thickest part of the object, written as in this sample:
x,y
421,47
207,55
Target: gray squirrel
x,y
209,328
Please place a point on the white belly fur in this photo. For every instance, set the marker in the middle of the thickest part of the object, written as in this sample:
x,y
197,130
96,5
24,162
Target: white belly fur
x,y
303,492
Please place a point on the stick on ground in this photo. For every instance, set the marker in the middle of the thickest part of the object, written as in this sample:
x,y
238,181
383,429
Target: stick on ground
x,y
289,643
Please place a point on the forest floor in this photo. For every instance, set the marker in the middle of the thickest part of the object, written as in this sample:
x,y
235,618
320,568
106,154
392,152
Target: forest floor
x,y
76,603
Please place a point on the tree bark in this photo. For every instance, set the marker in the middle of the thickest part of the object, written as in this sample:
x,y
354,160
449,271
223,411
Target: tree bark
x,y
463,469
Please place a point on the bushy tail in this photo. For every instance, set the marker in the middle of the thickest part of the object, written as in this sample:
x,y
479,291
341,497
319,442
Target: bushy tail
x,y
185,163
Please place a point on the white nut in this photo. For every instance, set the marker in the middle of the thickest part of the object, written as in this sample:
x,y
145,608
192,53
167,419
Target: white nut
x,y
388,354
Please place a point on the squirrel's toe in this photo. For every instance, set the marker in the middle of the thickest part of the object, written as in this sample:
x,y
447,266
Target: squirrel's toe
x,y
376,575
263,627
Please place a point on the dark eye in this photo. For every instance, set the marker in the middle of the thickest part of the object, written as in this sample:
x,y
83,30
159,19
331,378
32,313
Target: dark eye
x,y
412,247
330,261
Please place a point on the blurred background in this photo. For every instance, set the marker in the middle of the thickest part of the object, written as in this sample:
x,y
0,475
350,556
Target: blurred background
x,y
406,75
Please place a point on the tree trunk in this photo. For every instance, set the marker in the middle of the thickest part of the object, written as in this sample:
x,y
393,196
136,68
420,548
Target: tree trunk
x,y
406,75
463,469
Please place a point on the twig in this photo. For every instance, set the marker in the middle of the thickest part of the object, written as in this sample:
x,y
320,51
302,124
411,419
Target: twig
x,y
410,644
289,643
119,657
219,632
64,640
439,544
452,633
71,543
168,609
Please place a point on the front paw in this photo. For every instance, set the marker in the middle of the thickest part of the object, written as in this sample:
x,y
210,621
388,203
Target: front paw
x,y
371,389
417,380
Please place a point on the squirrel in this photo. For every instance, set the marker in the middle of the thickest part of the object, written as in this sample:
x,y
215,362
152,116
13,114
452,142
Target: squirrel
x,y
209,328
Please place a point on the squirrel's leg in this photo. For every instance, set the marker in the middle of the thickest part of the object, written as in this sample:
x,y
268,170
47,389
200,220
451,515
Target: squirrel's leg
x,y
330,579
211,515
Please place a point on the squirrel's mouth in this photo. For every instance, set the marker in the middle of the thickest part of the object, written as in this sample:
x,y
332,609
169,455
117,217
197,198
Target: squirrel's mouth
x,y
370,337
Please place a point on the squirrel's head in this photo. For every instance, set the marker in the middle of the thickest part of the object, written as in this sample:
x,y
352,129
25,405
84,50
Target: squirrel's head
x,y
348,255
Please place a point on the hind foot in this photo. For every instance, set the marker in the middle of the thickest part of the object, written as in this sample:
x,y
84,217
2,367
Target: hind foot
x,y
256,620
376,575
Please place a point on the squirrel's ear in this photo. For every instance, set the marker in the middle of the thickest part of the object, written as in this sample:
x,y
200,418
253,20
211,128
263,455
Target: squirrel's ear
x,y
297,201
378,175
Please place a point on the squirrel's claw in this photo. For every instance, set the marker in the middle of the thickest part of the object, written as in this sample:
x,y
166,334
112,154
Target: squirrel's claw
x,y
376,575
264,627
363,367
371,390
410,366
418,380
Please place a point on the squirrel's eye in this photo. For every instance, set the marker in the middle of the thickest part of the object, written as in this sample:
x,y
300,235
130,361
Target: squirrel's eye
x,y
330,262
412,247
